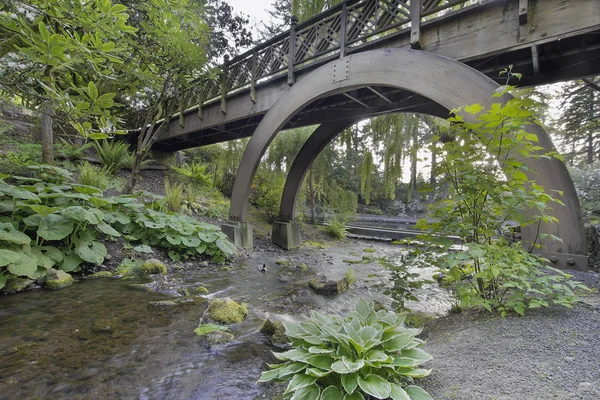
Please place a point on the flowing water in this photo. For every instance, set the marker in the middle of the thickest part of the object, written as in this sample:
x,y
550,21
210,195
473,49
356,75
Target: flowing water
x,y
100,339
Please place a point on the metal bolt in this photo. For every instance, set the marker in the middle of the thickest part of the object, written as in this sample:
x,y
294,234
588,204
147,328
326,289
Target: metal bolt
x,y
570,261
553,259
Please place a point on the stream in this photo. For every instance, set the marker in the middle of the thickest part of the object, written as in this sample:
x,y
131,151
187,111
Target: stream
x,y
103,339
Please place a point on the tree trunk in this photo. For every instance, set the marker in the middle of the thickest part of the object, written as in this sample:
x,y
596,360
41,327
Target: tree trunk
x,y
46,133
432,175
135,172
311,194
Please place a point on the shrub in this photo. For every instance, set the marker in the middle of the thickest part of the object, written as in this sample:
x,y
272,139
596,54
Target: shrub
x,y
196,173
174,196
587,184
336,227
112,154
70,151
47,222
93,176
489,185
366,353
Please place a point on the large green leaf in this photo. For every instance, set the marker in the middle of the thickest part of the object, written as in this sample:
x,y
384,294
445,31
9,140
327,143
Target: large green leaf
x,y
397,393
320,361
190,241
307,393
292,368
43,210
20,194
347,366
414,372
91,251
78,213
203,329
107,229
354,396
25,265
377,357
332,393
55,227
416,393
14,236
70,262
299,381
350,382
267,376
416,354
7,257
226,246
375,386
3,279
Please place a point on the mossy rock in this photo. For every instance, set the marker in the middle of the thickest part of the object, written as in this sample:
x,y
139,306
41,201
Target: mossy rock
x,y
57,279
329,287
275,331
219,338
16,285
284,262
101,274
302,267
200,290
227,311
153,266
140,286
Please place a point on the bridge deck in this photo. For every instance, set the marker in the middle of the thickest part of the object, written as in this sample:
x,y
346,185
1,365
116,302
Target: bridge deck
x,y
553,40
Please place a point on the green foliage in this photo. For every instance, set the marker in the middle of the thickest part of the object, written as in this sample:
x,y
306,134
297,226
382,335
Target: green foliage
x,y
336,227
195,173
366,353
404,281
72,151
112,154
64,53
174,195
93,176
587,183
47,222
511,280
267,189
490,184
366,184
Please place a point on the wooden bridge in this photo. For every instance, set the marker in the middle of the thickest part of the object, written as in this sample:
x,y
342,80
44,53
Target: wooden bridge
x,y
364,58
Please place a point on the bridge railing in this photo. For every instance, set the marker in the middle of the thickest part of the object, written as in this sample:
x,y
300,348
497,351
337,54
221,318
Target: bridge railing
x,y
339,30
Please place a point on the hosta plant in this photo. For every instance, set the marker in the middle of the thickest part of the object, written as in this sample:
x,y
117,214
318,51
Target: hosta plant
x,y
366,354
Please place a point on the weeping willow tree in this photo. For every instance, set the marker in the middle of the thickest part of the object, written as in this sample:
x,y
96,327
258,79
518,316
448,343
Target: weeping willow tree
x,y
366,181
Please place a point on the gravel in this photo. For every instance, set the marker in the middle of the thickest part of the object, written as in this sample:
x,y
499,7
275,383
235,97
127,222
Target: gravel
x,y
551,353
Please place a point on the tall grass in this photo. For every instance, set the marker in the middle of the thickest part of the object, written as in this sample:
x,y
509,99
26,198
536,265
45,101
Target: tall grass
x,y
174,195
93,176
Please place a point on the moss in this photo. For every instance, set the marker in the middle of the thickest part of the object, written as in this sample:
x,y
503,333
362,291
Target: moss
x,y
369,250
16,285
219,338
153,266
200,290
101,274
302,267
417,319
284,262
275,331
329,287
227,311
56,279
140,286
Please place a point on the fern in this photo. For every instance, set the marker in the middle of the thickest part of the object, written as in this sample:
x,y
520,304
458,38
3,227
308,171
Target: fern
x,y
113,155
195,172
93,176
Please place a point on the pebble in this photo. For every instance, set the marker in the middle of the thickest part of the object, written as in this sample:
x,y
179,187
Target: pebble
x,y
584,387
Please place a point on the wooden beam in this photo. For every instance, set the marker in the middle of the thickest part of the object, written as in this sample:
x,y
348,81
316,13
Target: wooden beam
x,y
415,24
292,51
535,59
523,10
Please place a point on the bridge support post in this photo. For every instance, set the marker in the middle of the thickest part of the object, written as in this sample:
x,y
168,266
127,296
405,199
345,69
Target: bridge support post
x,y
286,234
239,233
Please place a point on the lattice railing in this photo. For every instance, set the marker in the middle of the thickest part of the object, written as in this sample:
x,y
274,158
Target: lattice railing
x,y
344,28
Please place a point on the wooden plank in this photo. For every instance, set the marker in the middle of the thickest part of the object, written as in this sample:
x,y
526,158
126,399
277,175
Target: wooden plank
x,y
415,24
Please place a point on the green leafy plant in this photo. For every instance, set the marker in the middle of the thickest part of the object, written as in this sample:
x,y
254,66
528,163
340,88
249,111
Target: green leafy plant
x,y
112,154
72,151
93,176
175,194
489,184
196,173
47,222
367,353
336,227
